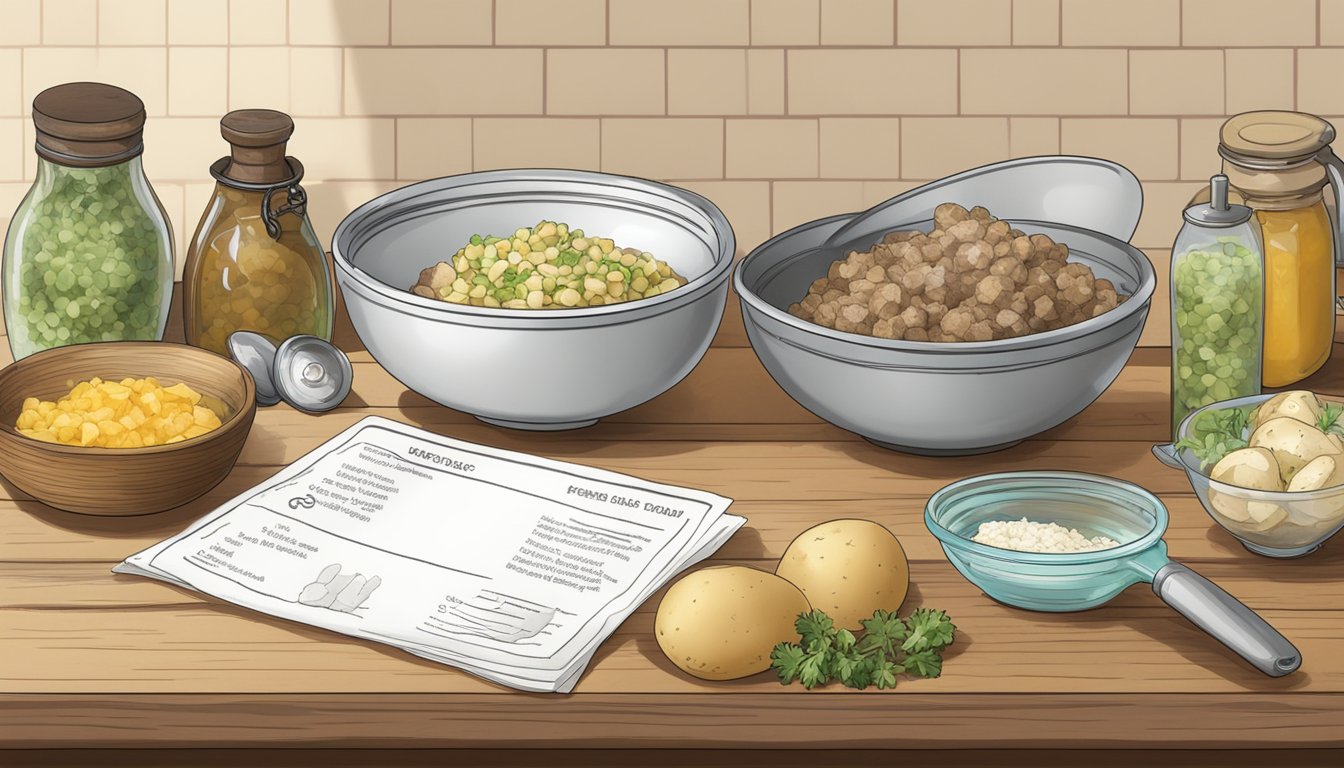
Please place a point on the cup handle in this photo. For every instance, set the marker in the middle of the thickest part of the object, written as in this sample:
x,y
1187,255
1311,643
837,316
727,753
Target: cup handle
x,y
1226,619
1166,453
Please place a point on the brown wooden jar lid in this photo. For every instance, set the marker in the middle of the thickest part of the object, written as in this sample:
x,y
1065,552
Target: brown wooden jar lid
x,y
1275,135
257,138
88,124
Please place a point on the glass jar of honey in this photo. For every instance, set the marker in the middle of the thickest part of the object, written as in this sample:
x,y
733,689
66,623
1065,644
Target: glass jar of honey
x,y
255,263
1278,164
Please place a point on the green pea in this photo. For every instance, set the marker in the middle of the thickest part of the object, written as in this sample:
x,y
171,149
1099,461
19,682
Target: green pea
x,y
1217,297
89,245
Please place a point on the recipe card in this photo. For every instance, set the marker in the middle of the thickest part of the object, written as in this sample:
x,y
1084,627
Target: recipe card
x,y
512,567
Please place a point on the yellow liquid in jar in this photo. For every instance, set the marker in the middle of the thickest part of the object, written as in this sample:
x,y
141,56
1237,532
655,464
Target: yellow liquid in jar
x,y
1299,293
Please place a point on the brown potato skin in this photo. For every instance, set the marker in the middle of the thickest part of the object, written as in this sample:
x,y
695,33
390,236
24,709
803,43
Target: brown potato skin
x,y
848,568
721,622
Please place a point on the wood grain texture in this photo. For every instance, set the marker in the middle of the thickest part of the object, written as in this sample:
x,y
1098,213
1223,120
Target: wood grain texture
x,y
731,720
100,660
679,757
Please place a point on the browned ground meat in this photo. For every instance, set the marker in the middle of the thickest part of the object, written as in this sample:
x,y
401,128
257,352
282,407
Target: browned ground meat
x,y
973,278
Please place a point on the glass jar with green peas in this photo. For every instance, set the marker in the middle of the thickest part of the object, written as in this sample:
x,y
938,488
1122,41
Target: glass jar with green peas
x,y
88,256
1217,305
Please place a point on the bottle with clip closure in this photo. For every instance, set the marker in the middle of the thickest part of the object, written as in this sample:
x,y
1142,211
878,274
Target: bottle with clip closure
x,y
1217,305
255,263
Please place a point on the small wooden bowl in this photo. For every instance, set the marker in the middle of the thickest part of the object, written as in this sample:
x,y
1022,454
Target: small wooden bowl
x,y
123,481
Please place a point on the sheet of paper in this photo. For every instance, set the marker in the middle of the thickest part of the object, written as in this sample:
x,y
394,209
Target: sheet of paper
x,y
507,565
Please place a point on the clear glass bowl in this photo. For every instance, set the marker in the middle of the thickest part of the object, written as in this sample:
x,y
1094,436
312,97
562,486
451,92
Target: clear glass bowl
x,y
1042,581
1275,524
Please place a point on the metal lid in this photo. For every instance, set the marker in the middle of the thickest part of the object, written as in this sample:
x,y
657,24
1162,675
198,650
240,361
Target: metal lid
x,y
1274,135
256,353
1217,212
311,374
88,125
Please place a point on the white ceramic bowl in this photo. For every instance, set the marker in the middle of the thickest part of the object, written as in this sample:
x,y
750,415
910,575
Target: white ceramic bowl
x,y
533,369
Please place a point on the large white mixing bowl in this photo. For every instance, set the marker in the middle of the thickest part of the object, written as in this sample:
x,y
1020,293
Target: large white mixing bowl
x,y
533,369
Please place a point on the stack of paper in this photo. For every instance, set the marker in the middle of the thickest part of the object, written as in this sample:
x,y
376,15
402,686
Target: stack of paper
x,y
511,567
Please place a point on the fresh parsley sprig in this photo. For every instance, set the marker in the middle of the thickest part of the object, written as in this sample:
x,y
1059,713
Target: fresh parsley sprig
x,y
889,646
1217,433
1329,420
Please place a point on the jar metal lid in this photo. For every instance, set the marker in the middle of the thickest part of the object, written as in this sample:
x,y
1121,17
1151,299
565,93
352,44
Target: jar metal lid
x,y
308,372
311,374
256,353
1217,213
88,124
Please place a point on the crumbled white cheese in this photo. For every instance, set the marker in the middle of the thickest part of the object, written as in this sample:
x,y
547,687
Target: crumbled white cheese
x,y
1027,536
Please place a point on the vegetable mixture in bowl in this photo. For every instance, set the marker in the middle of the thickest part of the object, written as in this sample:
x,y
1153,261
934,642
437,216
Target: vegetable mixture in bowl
x,y
1268,468
546,266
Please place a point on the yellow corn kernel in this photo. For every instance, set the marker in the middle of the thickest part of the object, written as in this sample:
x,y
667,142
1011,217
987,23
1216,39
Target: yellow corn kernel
x,y
130,413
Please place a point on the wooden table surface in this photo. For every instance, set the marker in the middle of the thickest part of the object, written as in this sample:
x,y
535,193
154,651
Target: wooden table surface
x,y
93,659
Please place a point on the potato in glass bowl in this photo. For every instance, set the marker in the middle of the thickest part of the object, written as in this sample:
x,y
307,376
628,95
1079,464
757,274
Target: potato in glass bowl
x,y
1267,468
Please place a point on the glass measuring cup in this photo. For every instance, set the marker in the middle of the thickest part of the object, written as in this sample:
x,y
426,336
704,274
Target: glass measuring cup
x,y
1060,582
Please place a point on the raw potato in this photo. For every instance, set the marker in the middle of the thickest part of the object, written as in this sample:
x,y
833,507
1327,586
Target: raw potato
x,y
721,623
1292,442
1320,472
1298,404
848,568
1254,468
1247,515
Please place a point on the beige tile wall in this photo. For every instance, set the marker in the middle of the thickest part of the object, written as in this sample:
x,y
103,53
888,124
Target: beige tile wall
x,y
779,110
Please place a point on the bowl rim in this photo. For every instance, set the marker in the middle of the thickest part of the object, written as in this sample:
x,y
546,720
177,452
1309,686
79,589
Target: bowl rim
x,y
1073,480
718,225
1137,302
226,427
1237,490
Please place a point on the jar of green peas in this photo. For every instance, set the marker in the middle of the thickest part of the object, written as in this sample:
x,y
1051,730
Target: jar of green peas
x,y
89,255
1217,305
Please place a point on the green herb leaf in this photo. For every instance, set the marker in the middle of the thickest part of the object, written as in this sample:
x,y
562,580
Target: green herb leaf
x,y
844,640
787,661
887,647
924,664
884,631
814,670
1329,421
814,625
860,672
1217,433
929,630
885,674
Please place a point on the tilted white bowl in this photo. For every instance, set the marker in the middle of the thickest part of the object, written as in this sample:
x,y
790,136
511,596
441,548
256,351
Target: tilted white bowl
x,y
533,369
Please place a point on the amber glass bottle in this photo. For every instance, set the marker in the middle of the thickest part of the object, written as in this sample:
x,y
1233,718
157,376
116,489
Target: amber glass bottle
x,y
255,263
